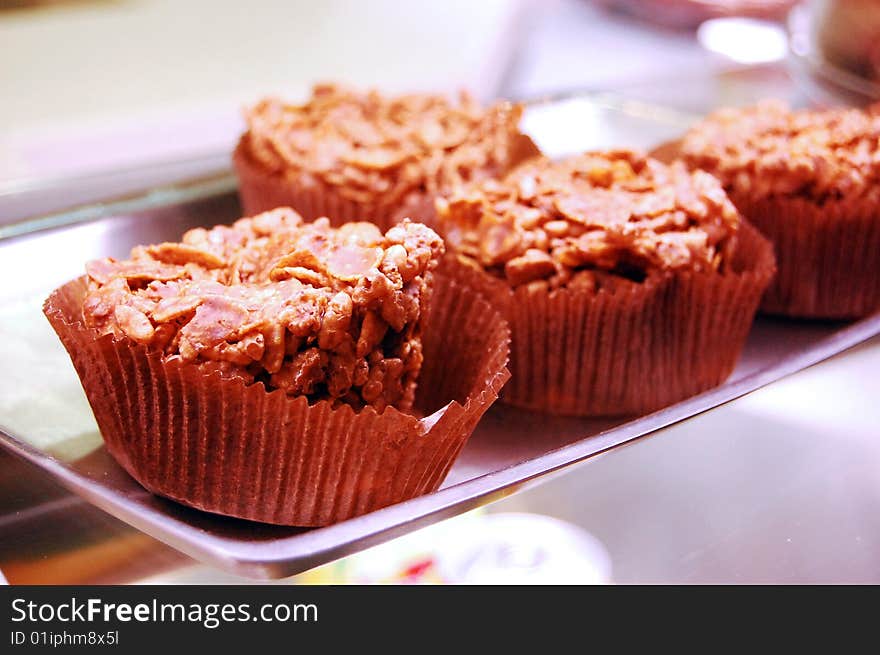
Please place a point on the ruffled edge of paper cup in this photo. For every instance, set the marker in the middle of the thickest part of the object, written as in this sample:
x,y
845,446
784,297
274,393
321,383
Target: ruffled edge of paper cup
x,y
187,433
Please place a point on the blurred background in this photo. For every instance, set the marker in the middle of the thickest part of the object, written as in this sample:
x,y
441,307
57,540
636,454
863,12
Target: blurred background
x,y
101,97
101,84
105,86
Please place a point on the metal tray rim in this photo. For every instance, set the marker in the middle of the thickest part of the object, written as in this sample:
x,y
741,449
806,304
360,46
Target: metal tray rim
x,y
268,559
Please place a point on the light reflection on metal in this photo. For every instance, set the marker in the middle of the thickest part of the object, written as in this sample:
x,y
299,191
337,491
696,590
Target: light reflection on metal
x,y
744,40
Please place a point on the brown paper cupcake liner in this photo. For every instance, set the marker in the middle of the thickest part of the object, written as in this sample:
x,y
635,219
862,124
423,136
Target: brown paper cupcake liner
x,y
632,350
828,256
260,191
185,432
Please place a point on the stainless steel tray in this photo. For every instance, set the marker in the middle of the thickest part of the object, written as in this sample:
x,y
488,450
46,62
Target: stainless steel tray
x,y
45,418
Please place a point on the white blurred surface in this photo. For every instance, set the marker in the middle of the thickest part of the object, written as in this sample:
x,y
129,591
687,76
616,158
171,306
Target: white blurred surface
x,y
105,83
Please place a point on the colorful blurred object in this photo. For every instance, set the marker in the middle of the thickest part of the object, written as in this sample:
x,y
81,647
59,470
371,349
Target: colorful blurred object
x,y
478,548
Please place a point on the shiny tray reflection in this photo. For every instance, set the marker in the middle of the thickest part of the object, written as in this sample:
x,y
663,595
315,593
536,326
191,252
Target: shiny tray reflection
x,y
45,418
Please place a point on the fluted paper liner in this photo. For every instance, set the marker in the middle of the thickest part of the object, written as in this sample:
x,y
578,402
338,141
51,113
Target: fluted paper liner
x,y
260,191
632,350
214,443
828,256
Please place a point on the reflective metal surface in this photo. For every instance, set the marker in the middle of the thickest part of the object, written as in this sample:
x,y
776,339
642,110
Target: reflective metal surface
x,y
50,536
45,419
781,486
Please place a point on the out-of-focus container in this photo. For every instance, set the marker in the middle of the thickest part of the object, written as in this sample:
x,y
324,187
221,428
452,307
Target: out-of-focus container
x,y
847,35
690,13
836,43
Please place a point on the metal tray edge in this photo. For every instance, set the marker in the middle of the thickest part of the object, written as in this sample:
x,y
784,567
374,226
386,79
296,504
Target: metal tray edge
x,y
272,559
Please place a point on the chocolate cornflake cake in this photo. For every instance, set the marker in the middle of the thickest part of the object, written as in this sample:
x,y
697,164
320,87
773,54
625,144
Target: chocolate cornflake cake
x,y
316,311
770,150
365,156
629,284
284,371
591,221
810,181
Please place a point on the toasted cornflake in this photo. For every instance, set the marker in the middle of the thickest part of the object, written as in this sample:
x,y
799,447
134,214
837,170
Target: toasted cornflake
x,y
378,149
770,150
316,311
616,213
